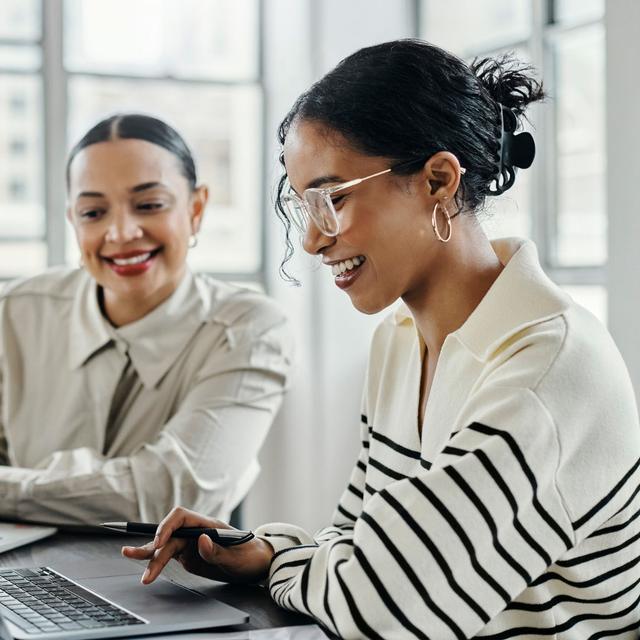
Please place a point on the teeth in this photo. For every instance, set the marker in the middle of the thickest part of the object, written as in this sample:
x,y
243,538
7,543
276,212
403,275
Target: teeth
x,y
123,262
347,265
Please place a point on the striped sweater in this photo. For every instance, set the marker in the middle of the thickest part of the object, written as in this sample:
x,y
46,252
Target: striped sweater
x,y
516,514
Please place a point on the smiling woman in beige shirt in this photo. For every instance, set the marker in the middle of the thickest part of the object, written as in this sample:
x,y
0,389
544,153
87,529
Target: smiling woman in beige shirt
x,y
132,385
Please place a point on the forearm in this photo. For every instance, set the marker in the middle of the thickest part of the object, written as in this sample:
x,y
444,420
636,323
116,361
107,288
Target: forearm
x,y
75,488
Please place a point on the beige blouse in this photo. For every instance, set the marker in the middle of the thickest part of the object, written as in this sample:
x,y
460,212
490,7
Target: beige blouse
x,y
99,423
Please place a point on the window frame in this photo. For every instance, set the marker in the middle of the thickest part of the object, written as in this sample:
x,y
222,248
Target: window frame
x,y
55,79
545,29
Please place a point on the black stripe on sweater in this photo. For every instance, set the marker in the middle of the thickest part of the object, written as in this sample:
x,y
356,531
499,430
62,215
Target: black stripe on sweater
x,y
346,514
597,554
411,575
603,577
602,503
615,527
398,448
549,604
504,488
355,491
384,595
369,489
425,464
366,630
565,626
608,633
436,555
526,469
486,516
386,470
464,538
286,565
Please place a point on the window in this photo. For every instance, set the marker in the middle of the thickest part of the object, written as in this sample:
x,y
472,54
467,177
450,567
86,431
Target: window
x,y
560,202
197,67
22,230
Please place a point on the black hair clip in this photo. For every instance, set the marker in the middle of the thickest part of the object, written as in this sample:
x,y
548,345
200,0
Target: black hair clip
x,y
517,150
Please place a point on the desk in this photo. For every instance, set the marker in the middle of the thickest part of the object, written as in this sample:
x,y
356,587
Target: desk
x,y
73,546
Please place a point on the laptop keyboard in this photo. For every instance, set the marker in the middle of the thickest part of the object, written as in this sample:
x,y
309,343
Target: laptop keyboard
x,y
41,600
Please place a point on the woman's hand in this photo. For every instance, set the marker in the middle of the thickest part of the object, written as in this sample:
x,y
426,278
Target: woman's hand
x,y
244,563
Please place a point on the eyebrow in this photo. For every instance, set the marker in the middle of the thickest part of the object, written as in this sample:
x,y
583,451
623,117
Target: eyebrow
x,y
147,185
316,182
139,187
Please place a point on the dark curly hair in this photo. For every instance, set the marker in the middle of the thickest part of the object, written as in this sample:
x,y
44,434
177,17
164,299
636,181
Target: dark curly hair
x,y
406,100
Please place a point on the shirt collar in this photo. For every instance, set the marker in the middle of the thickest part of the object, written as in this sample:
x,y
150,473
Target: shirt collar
x,y
521,296
153,342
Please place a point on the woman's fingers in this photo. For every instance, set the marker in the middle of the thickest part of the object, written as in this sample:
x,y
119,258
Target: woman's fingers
x,y
181,517
160,558
206,549
139,553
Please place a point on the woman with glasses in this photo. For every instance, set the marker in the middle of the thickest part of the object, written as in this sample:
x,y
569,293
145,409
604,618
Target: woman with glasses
x,y
131,385
496,490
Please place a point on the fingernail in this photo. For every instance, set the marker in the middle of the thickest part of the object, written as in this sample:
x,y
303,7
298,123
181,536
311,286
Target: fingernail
x,y
145,576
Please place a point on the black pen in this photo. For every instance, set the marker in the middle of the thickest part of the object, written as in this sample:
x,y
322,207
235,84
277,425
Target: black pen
x,y
223,537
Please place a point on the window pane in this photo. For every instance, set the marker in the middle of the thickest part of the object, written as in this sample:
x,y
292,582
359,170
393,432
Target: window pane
x,y
222,126
570,11
182,38
465,27
21,149
581,147
20,58
510,214
18,259
592,297
20,20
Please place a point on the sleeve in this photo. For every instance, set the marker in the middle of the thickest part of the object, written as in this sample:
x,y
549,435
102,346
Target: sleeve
x,y
441,554
204,458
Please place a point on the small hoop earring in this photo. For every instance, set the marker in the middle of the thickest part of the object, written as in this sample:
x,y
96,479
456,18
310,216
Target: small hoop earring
x,y
434,221
193,241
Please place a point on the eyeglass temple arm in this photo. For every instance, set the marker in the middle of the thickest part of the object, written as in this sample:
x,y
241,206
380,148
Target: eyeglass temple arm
x,y
353,183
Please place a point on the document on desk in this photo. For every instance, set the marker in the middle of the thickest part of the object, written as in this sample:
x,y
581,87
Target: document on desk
x,y
302,632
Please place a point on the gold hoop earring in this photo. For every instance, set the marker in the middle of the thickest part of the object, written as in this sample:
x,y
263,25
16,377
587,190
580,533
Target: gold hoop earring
x,y
434,221
193,241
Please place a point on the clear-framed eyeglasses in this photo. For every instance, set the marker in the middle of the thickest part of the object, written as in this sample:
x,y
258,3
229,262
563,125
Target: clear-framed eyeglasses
x,y
317,205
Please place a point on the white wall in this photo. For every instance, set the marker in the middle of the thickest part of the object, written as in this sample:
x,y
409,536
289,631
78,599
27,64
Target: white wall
x,y
311,449
623,178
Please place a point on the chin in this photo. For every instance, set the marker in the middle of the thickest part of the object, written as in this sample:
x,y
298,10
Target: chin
x,y
370,307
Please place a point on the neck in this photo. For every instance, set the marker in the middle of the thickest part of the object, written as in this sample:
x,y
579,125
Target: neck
x,y
122,310
466,268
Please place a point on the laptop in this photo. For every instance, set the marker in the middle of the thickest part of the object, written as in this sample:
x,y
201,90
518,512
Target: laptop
x,y
102,599
16,535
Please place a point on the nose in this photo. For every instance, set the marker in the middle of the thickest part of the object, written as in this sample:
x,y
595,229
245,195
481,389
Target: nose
x,y
123,227
314,241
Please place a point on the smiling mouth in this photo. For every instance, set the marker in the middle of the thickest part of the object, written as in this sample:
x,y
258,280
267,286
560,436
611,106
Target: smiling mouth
x,y
133,260
345,266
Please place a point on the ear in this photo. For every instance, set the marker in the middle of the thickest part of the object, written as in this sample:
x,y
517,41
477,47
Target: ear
x,y
443,175
198,204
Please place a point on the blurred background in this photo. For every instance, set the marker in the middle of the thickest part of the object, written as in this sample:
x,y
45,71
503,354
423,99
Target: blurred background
x,y
224,72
